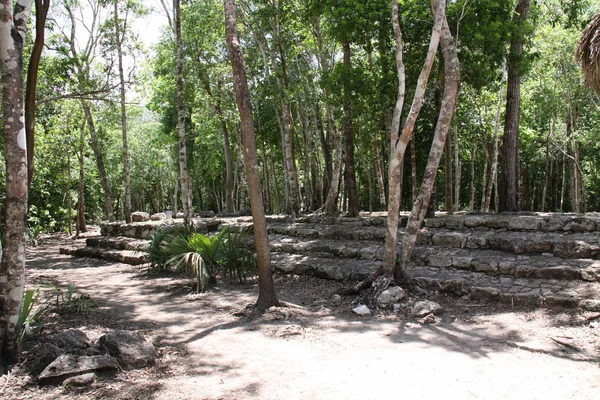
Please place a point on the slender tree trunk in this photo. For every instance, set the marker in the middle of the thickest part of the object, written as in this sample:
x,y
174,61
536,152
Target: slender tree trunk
x,y
509,193
399,142
81,226
472,186
457,171
448,171
494,162
378,170
451,86
126,158
99,160
266,297
413,171
349,171
186,199
548,172
331,198
41,12
13,26
484,175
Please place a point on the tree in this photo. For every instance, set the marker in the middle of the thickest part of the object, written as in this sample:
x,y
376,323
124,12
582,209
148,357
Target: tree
x,y
41,12
13,27
266,297
509,193
119,37
183,164
399,141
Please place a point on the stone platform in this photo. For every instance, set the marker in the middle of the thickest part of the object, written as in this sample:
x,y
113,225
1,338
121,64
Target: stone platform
x,y
538,259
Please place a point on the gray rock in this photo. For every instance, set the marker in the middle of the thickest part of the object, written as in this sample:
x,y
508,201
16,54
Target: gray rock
x,y
158,217
44,356
69,365
129,349
140,216
81,380
206,214
391,295
361,310
590,305
426,307
72,341
179,215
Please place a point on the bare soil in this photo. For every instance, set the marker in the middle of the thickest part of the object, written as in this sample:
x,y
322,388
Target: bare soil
x,y
315,348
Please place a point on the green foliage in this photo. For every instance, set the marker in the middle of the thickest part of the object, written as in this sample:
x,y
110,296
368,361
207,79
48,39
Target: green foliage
x,y
70,301
29,319
202,256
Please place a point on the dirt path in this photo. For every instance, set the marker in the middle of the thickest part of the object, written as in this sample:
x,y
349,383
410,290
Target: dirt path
x,y
311,352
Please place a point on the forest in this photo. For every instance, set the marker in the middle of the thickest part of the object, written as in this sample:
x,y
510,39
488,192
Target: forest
x,y
332,107
323,82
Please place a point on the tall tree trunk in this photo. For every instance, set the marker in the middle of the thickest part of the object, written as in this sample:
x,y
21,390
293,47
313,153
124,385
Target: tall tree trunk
x,y
472,186
378,170
227,149
13,26
451,86
457,171
349,171
509,193
547,170
413,171
399,142
41,12
81,225
331,197
266,297
126,159
99,159
494,162
186,199
448,172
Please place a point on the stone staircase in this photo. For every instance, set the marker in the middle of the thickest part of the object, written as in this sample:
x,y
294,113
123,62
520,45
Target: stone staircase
x,y
533,259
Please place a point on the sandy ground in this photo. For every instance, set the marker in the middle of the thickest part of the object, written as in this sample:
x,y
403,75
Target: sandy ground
x,y
314,351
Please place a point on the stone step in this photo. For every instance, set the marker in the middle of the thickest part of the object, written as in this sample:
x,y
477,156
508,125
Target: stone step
x,y
324,232
511,290
544,266
323,267
118,243
564,245
327,248
132,257
461,283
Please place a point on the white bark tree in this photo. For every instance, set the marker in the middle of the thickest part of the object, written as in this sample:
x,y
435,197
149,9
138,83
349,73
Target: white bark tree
x,y
13,26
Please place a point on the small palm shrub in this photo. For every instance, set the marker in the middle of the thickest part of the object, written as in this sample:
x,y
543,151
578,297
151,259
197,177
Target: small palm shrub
x,y
204,257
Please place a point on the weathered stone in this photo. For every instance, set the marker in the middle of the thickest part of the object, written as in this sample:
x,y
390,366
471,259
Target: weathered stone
x,y
484,293
590,305
140,216
391,295
206,214
456,287
361,310
440,261
129,349
44,355
524,223
449,239
81,380
69,365
158,217
552,224
425,307
581,225
72,341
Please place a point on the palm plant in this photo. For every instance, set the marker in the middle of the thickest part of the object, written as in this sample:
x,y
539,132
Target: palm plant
x,y
199,255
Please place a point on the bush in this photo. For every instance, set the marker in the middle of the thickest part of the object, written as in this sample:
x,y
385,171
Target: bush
x,y
203,257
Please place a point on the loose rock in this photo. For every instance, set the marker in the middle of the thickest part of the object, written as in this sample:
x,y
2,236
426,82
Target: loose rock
x,y
69,365
140,216
361,310
129,349
426,307
391,295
